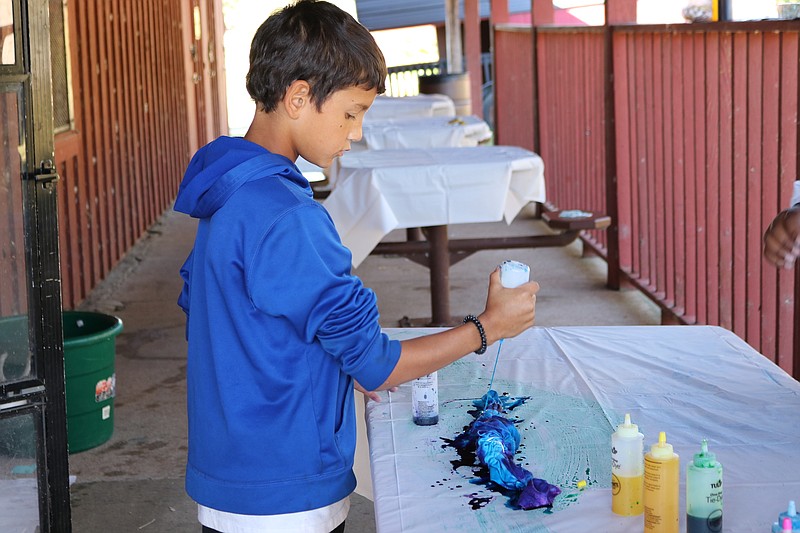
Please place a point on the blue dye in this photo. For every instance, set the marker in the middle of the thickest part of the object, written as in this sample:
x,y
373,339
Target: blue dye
x,y
493,440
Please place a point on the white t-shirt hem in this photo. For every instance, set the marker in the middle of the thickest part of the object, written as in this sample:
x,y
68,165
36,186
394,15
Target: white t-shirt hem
x,y
322,520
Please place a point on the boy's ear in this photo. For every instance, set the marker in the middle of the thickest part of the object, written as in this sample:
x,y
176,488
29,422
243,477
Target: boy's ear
x,y
297,97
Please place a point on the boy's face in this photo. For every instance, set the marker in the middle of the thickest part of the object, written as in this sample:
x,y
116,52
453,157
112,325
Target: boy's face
x,y
326,134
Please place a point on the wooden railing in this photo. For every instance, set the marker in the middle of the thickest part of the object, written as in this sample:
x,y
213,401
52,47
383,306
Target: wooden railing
x,y
692,149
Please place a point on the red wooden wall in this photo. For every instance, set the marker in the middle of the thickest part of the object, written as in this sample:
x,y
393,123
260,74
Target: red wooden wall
x,y
121,164
707,151
513,86
704,152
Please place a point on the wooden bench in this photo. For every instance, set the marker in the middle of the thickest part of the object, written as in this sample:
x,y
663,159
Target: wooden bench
x,y
432,248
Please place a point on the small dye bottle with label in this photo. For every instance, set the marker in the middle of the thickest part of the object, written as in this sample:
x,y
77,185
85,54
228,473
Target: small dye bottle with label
x,y
425,400
627,469
661,486
791,514
704,493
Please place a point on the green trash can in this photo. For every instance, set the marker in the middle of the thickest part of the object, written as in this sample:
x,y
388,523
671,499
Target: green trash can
x,y
89,353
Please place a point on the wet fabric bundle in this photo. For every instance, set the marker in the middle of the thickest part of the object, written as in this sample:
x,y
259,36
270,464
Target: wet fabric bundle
x,y
494,440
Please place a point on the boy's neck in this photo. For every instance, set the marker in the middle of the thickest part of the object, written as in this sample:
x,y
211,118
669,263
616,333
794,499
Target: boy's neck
x,y
269,130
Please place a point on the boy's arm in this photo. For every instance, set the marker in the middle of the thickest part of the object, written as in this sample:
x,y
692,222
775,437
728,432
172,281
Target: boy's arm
x,y
508,313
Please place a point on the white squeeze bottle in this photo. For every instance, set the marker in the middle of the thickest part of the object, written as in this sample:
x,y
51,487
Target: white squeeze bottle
x,y
512,275
627,469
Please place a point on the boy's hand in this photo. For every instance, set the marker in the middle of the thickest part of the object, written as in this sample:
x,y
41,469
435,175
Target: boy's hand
x,y
782,238
372,395
508,312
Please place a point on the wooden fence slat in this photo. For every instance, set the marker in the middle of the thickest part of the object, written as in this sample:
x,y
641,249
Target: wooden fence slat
x,y
753,228
789,170
622,121
697,230
740,182
710,286
767,310
726,186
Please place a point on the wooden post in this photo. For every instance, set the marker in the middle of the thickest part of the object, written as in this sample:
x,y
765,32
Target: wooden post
x,y
472,42
542,13
617,12
620,12
452,28
499,12
188,64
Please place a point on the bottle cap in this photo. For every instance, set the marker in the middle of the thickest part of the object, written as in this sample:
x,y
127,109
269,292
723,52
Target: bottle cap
x,y
705,459
513,274
626,429
786,527
662,449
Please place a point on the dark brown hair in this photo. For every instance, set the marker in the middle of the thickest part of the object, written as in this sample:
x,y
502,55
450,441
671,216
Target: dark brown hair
x,y
317,42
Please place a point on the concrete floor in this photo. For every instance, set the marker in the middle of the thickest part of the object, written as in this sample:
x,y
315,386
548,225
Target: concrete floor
x,y
134,482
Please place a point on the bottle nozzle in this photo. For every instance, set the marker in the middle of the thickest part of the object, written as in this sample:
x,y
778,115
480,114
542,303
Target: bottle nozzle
x,y
662,449
705,459
627,428
792,511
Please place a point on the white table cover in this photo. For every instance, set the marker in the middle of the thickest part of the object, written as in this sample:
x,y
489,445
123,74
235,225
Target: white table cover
x,y
378,191
421,105
423,132
692,382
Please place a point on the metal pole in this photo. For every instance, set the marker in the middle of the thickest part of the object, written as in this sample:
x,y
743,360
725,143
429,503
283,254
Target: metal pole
x,y
440,275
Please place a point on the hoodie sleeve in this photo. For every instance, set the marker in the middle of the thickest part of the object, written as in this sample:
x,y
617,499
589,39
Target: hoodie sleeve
x,y
300,271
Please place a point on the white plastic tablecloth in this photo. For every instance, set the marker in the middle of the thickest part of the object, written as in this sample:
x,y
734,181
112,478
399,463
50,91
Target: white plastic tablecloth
x,y
692,382
423,132
378,191
421,105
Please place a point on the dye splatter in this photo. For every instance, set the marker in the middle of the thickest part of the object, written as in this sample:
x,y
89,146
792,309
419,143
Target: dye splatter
x,y
490,442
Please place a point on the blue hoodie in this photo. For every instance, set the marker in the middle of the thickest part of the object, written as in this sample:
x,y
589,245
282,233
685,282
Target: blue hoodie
x,y
278,329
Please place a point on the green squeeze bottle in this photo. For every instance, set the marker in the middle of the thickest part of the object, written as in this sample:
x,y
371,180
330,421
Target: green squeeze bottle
x,y
704,493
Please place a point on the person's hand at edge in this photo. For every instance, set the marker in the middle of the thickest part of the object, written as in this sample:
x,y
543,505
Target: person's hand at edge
x,y
782,238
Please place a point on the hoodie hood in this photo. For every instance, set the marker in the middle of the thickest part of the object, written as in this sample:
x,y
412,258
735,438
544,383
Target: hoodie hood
x,y
218,169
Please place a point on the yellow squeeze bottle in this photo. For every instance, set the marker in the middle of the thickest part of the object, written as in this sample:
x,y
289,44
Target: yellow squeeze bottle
x,y
661,485
627,469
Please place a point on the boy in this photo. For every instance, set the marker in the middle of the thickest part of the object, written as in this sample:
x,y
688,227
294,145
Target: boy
x,y
278,328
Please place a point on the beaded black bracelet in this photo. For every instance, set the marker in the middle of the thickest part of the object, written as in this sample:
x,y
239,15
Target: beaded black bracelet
x,y
474,320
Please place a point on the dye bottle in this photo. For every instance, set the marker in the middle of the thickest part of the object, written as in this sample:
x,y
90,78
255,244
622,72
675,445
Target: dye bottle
x,y
791,514
704,493
425,400
627,469
661,485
